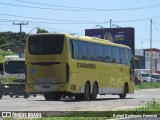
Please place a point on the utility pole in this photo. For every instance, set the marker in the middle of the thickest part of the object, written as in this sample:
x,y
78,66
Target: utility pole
x,y
110,23
20,34
151,49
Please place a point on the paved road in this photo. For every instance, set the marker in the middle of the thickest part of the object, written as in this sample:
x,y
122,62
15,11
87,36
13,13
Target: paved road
x,y
103,102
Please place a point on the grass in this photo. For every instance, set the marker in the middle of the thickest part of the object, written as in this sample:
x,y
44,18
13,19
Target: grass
x,y
150,106
148,85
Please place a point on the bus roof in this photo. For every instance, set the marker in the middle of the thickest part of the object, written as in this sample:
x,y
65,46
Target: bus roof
x,y
13,58
85,38
96,40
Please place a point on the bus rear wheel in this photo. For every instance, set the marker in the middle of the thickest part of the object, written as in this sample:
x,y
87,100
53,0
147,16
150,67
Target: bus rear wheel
x,y
85,95
1,94
52,96
123,96
94,93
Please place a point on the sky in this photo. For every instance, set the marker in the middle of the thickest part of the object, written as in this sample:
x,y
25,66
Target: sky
x,y
74,16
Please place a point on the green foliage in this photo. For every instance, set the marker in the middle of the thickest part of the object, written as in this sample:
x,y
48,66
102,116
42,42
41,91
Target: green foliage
x,y
10,39
4,53
42,31
150,106
148,85
8,80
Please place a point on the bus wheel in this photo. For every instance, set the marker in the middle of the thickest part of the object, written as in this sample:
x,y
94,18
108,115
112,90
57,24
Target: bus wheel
x,y
17,96
86,93
11,95
123,96
52,96
25,95
94,93
1,94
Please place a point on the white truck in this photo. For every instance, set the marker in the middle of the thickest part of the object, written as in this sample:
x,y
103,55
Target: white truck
x,y
143,75
156,77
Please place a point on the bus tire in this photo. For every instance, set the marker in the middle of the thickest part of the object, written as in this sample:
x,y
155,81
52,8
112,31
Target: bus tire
x,y
87,91
11,95
94,93
1,94
123,96
52,96
25,95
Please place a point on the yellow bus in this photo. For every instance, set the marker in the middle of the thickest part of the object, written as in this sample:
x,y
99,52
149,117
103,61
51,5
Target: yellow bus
x,y
62,65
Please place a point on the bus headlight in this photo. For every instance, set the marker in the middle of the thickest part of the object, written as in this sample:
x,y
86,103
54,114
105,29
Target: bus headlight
x,y
6,86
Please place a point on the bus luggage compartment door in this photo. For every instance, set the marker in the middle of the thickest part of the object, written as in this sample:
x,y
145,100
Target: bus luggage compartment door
x,y
50,73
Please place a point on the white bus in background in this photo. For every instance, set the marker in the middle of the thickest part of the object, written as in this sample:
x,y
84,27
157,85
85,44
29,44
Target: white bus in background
x,y
12,76
143,75
13,66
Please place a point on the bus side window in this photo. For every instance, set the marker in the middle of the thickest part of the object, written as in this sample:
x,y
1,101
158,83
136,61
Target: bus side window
x,y
90,51
107,53
71,48
82,53
123,56
115,55
75,49
130,58
98,52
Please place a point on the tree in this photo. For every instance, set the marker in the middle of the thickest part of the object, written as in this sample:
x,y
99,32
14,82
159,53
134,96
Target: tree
x,y
3,53
42,30
10,39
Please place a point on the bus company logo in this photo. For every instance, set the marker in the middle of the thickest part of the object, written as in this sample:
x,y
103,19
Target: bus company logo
x,y
86,65
6,114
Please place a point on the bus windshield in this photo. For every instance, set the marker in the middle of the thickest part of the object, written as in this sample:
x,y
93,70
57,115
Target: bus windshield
x,y
14,67
46,44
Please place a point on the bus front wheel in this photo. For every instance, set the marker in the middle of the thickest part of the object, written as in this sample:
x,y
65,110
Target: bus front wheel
x,y
86,91
123,96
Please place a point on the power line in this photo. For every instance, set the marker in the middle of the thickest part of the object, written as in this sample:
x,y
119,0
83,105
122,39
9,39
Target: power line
x,y
73,22
90,9
156,23
8,20
50,5
37,18
147,39
156,28
83,9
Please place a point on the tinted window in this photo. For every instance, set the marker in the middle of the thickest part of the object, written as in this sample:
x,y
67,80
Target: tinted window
x,y
46,44
107,53
14,67
82,53
75,49
122,55
115,55
98,50
130,57
90,51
